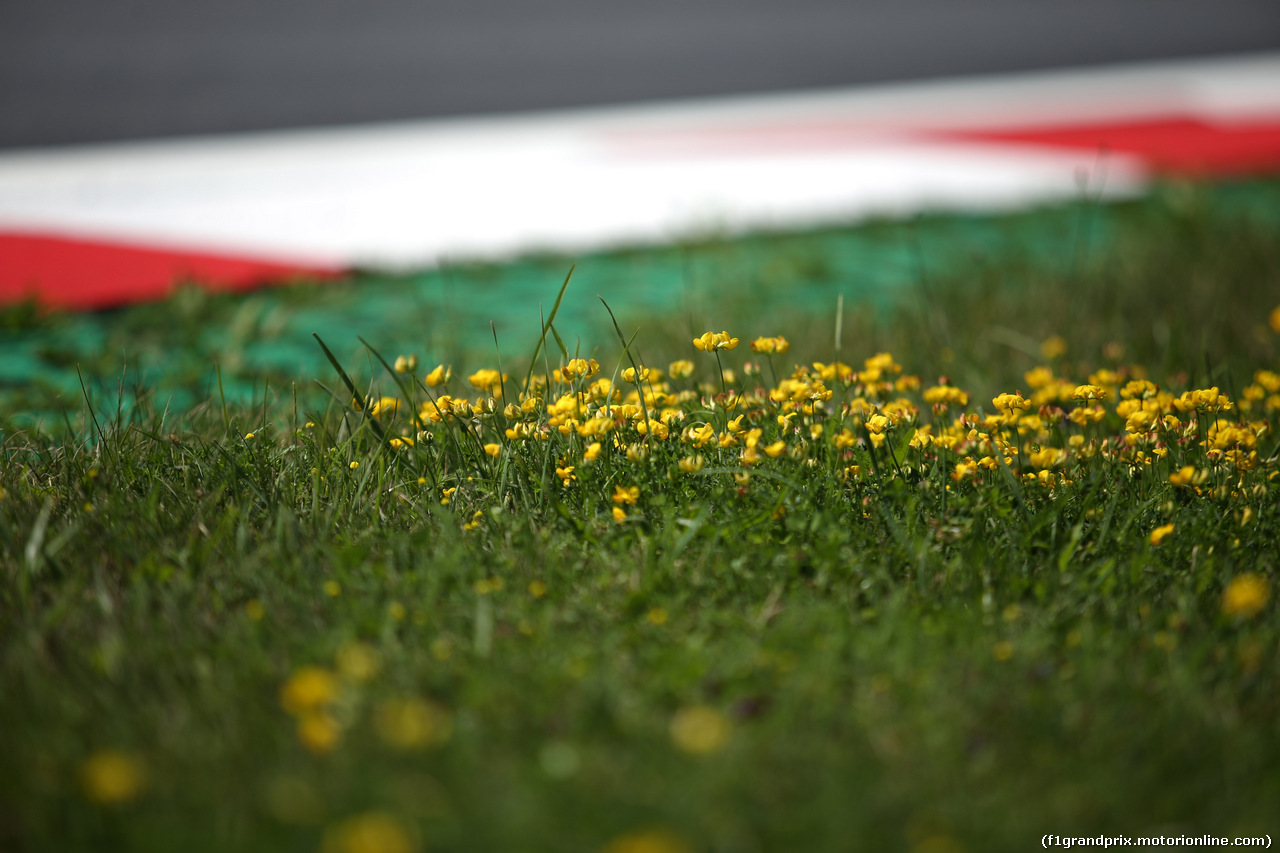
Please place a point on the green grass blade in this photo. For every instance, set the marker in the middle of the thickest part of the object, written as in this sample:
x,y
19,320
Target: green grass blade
x,y
542,338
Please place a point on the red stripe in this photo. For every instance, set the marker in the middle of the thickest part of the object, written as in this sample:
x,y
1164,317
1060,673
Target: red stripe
x,y
1173,145
88,274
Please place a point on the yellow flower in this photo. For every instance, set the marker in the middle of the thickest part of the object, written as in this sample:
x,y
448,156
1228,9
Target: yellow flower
x,y
681,369
1104,377
406,363
412,723
319,732
446,496
1087,414
487,380
371,832
699,435
1047,457
846,374
1204,400
1053,347
771,346
307,690
1246,595
1187,475
626,495
1139,389
881,362
354,465
648,841
1089,392
493,449
700,729
712,341
877,424
619,515
1158,535
1038,377
592,452
578,368
1010,403
1140,422
922,439
629,374
110,777
439,376
537,588
657,616
357,662
692,464
521,432
776,449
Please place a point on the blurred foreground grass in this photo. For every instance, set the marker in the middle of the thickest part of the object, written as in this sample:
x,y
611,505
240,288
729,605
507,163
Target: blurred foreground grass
x,y
430,622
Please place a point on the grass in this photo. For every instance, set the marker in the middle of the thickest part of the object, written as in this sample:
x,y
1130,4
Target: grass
x,y
279,624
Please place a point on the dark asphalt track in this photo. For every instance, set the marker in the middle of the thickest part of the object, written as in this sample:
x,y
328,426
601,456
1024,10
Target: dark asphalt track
x,y
90,70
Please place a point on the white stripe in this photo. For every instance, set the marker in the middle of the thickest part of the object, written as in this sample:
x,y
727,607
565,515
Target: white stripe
x,y
415,193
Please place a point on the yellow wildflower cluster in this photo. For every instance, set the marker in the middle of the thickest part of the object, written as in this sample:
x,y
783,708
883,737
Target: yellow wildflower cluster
x,y
864,423
325,702
309,696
